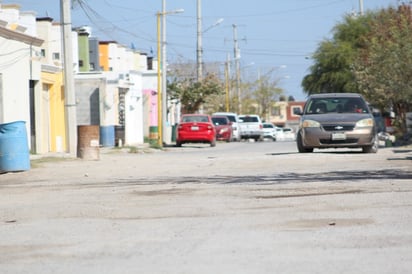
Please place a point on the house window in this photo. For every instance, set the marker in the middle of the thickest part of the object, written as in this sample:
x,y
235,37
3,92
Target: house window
x,y
43,53
56,56
80,63
276,111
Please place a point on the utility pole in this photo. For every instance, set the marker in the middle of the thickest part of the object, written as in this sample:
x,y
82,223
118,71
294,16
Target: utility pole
x,y
69,93
159,85
227,82
237,63
164,71
361,7
199,49
164,111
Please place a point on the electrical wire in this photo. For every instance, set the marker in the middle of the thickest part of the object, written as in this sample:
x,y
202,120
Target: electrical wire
x,y
9,63
92,15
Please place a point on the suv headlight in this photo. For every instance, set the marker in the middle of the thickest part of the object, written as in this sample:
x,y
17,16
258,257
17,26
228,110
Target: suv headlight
x,y
365,123
310,123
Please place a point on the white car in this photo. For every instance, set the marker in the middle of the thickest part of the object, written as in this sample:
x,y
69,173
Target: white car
x,y
269,131
279,134
234,119
288,134
251,127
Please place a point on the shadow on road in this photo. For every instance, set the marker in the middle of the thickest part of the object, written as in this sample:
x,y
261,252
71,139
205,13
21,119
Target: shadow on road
x,y
282,178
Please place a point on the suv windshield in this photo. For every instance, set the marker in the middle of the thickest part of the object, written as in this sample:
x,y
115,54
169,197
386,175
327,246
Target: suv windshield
x,y
336,104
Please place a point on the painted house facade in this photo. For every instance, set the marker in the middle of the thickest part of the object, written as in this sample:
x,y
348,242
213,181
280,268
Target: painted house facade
x,y
283,114
19,69
115,86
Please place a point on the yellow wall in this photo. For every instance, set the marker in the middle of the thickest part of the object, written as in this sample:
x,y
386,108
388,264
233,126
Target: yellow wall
x,y
56,111
104,56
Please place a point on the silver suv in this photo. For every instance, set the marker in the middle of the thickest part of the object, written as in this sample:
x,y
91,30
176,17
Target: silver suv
x,y
335,120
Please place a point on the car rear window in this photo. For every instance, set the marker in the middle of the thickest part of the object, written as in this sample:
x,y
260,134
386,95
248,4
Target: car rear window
x,y
219,121
249,119
194,118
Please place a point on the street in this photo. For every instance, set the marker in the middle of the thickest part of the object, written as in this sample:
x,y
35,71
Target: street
x,y
240,207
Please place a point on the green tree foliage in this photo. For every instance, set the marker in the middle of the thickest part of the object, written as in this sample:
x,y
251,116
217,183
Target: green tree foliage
x,y
192,93
334,58
384,69
372,55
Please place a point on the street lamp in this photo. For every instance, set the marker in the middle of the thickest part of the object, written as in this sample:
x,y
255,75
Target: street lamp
x,y
161,71
199,49
200,32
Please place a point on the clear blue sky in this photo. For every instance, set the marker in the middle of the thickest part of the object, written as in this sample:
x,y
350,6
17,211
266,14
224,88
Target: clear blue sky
x,y
272,33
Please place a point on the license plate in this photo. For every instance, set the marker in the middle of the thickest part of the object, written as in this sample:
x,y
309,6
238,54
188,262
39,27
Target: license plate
x,y
195,128
338,136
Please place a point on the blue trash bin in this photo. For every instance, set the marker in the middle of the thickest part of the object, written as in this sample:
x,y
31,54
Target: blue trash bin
x,y
107,136
14,148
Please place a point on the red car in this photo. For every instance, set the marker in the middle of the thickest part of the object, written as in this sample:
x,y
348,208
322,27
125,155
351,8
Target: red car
x,y
195,128
224,131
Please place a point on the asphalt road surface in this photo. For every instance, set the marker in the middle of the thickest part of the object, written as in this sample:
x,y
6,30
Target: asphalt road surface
x,y
240,207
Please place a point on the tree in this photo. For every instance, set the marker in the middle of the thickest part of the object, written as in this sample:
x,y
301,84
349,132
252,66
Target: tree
x,y
334,58
192,93
372,55
266,91
384,69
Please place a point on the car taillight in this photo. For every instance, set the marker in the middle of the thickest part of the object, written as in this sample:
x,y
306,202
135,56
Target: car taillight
x,y
209,127
261,126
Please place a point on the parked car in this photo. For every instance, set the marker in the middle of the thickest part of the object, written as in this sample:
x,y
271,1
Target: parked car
x,y
195,128
224,131
251,127
337,120
233,117
288,134
269,131
279,134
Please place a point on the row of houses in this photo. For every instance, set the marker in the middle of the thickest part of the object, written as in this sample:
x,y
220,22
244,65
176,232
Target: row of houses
x,y
115,86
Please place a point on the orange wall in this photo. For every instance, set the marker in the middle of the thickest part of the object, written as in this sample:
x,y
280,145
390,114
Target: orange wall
x,y
104,56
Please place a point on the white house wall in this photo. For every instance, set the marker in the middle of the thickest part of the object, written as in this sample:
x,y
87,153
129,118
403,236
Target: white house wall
x,y
15,74
75,51
113,56
109,100
134,111
9,14
140,62
28,20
